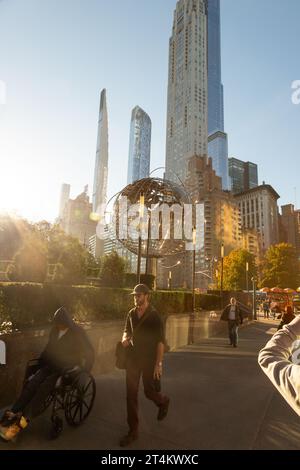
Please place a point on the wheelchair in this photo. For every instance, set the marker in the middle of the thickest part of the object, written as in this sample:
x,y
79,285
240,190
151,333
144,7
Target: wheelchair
x,y
73,395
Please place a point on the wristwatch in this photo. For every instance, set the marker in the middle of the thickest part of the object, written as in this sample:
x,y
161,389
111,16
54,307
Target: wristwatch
x,y
159,364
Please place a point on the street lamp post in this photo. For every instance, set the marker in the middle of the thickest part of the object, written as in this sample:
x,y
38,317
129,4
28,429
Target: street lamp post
x,y
148,244
254,298
247,277
194,268
141,215
169,280
192,316
222,272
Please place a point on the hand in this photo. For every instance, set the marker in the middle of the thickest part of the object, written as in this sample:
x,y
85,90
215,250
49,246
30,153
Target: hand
x,y
126,343
157,371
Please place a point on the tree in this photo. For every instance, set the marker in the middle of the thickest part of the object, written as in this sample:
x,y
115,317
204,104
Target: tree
x,y
113,270
45,248
281,267
234,271
30,262
70,260
11,230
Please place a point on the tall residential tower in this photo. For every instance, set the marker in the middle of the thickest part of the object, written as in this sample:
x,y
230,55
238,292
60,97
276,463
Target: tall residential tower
x,y
101,165
187,88
217,138
139,146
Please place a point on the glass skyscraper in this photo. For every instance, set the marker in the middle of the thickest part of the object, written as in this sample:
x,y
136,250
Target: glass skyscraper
x,y
243,175
217,141
139,146
187,88
101,163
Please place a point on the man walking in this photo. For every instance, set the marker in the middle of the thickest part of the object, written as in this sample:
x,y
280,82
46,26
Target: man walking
x,y
233,315
144,336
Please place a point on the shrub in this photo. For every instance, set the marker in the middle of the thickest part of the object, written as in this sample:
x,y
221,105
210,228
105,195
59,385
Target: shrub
x,y
29,304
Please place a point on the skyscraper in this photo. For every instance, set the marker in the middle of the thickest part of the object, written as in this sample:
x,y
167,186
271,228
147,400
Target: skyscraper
x,y
243,175
101,165
218,151
217,141
215,87
64,198
187,88
139,146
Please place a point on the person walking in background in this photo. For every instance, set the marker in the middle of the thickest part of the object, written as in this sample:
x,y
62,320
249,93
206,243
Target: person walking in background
x,y
266,308
144,336
233,315
287,317
275,361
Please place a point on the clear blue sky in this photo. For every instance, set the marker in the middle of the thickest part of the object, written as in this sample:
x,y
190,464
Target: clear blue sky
x,y
57,55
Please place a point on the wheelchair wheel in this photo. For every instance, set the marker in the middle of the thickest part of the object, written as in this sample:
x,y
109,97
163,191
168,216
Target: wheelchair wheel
x,y
80,399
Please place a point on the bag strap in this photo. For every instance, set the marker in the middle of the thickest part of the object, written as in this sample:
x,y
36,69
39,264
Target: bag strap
x,y
141,321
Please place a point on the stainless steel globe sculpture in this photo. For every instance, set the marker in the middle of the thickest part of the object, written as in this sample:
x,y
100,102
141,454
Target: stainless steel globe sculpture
x,y
155,193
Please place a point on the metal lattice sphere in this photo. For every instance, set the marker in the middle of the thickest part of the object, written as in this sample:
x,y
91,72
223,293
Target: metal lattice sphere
x,y
142,209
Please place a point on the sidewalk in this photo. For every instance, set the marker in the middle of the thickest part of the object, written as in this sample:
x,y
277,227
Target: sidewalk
x,y
220,399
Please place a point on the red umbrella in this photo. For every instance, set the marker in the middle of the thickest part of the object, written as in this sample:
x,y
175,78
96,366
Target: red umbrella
x,y
277,290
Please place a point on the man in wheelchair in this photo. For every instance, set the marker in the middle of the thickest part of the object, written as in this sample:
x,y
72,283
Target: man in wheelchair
x,y
67,352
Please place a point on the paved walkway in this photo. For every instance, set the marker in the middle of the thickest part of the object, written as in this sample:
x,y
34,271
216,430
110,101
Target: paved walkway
x,y
220,399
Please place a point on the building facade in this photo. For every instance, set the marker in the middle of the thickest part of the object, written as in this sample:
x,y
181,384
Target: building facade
x,y
101,163
290,223
64,197
259,212
187,88
251,241
139,146
243,175
76,219
217,138
219,224
218,152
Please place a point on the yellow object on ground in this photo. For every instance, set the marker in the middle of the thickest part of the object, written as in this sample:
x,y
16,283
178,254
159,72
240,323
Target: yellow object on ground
x,y
8,433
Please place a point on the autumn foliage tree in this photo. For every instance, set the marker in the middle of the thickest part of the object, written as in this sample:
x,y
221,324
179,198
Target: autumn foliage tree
x,y
234,270
281,267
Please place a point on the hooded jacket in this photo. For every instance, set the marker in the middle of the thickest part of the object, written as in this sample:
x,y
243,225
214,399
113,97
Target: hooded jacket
x,y
72,349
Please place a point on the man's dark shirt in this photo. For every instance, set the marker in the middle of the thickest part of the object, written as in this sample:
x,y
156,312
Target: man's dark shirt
x,y
148,334
238,314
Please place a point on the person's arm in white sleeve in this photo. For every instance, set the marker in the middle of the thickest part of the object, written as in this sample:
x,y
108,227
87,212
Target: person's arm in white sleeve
x,y
274,361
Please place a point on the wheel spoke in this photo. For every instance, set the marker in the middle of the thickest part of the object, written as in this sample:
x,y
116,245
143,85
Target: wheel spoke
x,y
87,386
84,403
76,410
73,404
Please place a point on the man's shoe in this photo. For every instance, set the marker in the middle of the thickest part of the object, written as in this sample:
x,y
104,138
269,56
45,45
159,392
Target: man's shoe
x,y
163,410
9,432
128,439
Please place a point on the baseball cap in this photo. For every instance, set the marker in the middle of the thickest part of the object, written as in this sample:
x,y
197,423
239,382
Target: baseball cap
x,y
140,289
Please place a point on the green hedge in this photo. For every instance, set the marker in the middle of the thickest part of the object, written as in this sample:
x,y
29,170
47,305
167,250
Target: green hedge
x,y
28,304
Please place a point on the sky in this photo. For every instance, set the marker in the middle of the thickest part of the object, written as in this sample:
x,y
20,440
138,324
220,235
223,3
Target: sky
x,y
57,55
